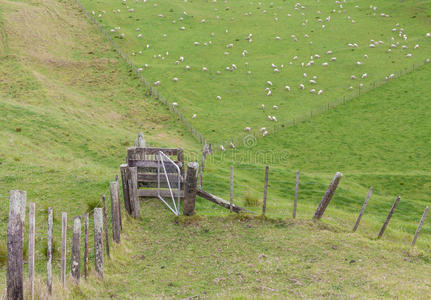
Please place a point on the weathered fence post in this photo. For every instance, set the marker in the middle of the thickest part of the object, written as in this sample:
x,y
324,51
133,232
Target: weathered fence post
x,y
190,188
98,241
125,185
113,189
75,268
31,241
119,202
231,189
265,191
132,177
15,240
328,196
49,252
63,247
295,201
389,217
420,226
86,246
370,192
105,225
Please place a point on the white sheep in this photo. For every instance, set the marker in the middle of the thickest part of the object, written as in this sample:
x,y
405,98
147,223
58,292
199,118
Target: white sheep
x,y
247,129
232,145
428,34
275,107
265,133
157,83
222,148
320,92
268,93
194,116
175,79
287,88
262,106
218,97
175,104
269,83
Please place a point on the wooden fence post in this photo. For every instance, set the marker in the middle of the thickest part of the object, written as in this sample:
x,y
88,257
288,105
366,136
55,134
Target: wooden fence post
x,y
15,243
31,241
420,226
265,191
295,201
49,252
328,196
63,247
105,225
132,177
231,189
86,246
119,202
98,241
75,268
190,189
389,217
113,189
370,192
125,185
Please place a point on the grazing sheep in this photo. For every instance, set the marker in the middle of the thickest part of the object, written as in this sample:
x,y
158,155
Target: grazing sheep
x,y
302,86
194,116
268,93
175,79
262,106
428,35
269,83
187,68
365,75
175,104
247,129
218,97
275,107
222,148
265,133
232,145
320,92
157,83
287,88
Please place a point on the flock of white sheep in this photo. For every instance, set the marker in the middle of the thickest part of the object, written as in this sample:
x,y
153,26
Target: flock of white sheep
x,y
397,39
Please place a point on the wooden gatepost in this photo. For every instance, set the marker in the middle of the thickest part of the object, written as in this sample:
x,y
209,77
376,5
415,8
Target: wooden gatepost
x,y
140,176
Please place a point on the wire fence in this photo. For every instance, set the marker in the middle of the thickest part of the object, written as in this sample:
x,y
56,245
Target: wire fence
x,y
151,90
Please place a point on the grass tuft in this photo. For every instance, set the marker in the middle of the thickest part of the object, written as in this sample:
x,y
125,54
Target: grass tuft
x,y
251,200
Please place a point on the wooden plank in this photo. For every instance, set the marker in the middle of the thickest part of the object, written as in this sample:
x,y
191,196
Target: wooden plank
x,y
31,241
152,151
105,225
125,185
219,201
75,264
98,242
15,240
63,247
152,177
153,193
295,201
370,192
190,189
49,252
328,196
388,218
113,190
265,190
86,246
149,163
420,226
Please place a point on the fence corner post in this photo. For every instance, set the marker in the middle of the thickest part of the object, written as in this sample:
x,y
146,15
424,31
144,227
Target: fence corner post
x,y
190,189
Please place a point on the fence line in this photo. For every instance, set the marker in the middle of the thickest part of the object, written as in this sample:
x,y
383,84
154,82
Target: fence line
x,y
150,89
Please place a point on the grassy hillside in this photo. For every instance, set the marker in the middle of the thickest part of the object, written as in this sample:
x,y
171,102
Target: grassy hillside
x,y
70,108
158,33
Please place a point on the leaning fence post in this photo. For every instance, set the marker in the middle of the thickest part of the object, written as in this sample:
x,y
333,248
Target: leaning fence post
x,y
31,241
86,246
328,196
75,268
49,252
98,241
231,189
295,201
420,226
105,226
190,189
113,189
125,185
265,191
14,275
63,247
389,217
370,192
119,202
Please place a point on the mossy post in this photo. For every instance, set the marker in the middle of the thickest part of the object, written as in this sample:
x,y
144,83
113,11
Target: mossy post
x,y
75,265
265,191
391,212
420,226
98,242
125,185
86,246
113,189
370,192
31,241
14,275
63,248
49,252
119,202
328,196
190,189
105,225
295,201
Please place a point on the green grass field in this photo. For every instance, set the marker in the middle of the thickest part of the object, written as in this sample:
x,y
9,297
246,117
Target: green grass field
x,y
70,108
